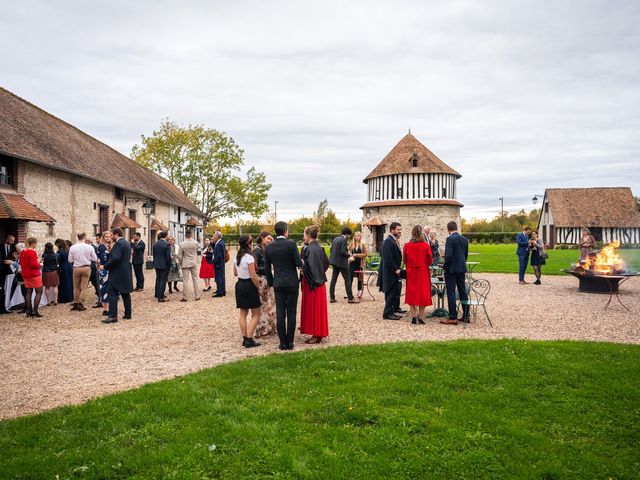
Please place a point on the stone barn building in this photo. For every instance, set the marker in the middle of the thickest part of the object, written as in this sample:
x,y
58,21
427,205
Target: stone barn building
x,y
411,185
56,181
610,213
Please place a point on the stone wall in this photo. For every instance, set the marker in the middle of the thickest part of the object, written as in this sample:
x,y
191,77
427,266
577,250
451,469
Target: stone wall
x,y
435,217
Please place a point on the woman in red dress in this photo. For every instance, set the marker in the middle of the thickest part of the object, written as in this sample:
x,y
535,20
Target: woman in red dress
x,y
30,269
206,265
417,257
314,316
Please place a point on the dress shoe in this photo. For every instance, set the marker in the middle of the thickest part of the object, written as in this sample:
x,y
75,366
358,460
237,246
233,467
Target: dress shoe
x,y
523,283
105,313
163,299
290,346
353,300
74,307
449,322
282,346
391,317
127,317
81,307
333,300
218,295
537,282
109,320
198,299
184,299
401,312
97,305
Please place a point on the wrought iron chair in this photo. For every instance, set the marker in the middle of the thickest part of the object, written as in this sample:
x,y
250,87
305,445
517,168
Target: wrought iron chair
x,y
478,292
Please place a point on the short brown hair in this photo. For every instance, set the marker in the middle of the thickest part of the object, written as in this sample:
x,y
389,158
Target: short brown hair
x,y
312,231
417,234
32,241
117,231
452,226
82,236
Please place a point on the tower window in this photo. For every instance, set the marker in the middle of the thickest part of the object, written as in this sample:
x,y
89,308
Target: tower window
x,y
414,160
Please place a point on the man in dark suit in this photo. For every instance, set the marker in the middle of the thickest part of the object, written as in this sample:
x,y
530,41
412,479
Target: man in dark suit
x,y
339,258
138,246
522,239
456,251
283,255
7,257
219,251
162,264
120,283
389,273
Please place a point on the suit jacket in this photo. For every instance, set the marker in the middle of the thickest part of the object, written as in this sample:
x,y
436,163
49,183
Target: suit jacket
x,y
138,253
188,255
339,254
314,258
161,254
283,255
119,266
218,255
523,245
456,251
6,269
390,262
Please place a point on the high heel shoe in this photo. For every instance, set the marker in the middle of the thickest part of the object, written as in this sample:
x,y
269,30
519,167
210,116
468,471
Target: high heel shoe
x,y
420,321
36,314
414,320
29,314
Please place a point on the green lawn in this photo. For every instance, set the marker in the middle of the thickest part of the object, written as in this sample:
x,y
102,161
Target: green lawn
x,y
464,409
502,258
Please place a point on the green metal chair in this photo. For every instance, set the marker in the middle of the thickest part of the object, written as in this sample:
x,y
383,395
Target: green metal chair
x,y
478,292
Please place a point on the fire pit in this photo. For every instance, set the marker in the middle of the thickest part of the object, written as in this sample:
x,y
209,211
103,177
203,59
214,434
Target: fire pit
x,y
602,272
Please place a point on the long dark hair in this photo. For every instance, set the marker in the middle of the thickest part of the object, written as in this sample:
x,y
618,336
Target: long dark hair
x,y
48,247
245,247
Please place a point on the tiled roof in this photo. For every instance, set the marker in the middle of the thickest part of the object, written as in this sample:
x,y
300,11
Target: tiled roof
x,y
158,226
15,207
122,221
374,222
593,207
29,133
400,160
192,222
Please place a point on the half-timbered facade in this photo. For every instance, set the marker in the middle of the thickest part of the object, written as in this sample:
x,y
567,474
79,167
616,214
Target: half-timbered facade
x,y
610,214
411,185
71,182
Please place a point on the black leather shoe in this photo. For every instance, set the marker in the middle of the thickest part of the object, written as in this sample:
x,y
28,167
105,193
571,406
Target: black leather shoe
x,y
401,312
217,295
281,346
97,305
420,321
290,346
109,320
127,317
414,321
391,317
333,300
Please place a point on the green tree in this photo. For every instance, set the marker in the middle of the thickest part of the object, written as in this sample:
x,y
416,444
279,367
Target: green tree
x,y
637,199
205,165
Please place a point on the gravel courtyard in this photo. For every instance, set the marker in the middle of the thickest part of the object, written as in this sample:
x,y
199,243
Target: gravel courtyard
x,y
70,357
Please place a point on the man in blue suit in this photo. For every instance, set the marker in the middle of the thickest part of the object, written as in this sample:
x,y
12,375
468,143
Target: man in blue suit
x,y
120,283
162,264
456,251
219,252
137,260
522,239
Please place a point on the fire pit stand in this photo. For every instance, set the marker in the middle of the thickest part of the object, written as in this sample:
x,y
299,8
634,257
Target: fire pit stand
x,y
602,283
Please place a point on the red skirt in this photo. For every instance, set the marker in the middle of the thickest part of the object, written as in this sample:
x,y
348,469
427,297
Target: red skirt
x,y
206,269
33,282
418,290
314,315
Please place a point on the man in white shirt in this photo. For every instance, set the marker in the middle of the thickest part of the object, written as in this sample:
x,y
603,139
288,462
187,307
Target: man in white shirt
x,y
81,255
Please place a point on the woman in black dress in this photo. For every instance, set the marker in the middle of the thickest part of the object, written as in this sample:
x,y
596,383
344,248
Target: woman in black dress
x,y
358,251
538,255
65,289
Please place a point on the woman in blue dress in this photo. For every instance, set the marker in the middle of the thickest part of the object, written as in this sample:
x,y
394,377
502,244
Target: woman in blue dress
x,y
65,289
104,249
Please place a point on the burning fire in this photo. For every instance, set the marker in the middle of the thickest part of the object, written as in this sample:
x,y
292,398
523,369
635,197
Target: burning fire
x,y
606,261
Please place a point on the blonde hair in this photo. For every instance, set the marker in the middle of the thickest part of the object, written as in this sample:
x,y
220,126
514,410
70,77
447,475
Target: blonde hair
x,y
312,231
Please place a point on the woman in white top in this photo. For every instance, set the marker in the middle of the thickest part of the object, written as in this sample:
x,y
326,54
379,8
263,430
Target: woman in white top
x,y
247,294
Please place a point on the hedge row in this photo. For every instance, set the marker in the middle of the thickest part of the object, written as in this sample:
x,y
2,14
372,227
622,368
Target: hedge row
x,y
491,237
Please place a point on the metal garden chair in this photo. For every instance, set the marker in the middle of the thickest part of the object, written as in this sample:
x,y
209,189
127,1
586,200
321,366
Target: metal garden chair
x,y
478,292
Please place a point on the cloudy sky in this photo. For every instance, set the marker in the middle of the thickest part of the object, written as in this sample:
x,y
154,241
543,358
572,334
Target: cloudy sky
x,y
517,96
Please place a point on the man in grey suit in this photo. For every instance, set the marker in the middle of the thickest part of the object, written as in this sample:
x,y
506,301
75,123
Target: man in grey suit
x,y
339,258
188,260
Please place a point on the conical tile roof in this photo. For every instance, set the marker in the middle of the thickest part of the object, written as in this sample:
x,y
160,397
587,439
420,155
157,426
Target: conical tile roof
x,y
400,160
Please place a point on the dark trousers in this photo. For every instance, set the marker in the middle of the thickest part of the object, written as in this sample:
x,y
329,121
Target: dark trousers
x,y
219,277
453,281
286,306
523,260
352,274
346,276
113,295
3,294
162,274
93,279
137,269
392,299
